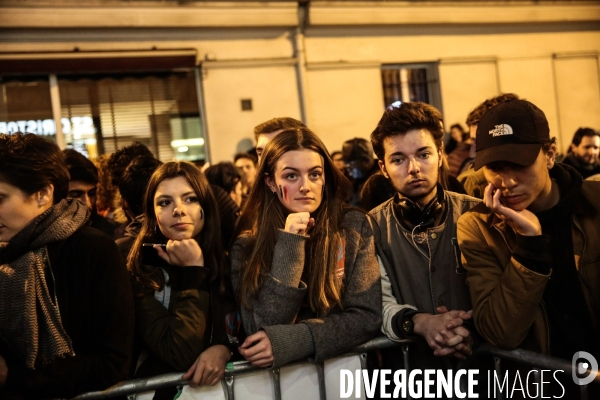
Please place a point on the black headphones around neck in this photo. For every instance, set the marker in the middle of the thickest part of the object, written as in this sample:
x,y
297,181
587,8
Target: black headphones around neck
x,y
425,218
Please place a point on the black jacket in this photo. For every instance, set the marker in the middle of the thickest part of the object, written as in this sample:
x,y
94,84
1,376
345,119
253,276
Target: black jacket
x,y
197,317
96,308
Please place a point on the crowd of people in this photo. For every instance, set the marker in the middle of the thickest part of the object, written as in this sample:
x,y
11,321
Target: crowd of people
x,y
293,251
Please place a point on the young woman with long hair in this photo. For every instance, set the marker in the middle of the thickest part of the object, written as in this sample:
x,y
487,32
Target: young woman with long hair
x,y
177,266
303,265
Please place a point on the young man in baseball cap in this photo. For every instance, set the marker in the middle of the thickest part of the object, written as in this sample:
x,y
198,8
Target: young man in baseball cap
x,y
532,249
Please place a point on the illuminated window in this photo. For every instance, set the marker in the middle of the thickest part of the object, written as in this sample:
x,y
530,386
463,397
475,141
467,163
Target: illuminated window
x,y
411,82
102,114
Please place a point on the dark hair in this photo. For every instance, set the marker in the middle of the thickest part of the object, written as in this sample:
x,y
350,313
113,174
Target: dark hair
x,y
464,135
209,238
335,153
30,163
475,116
406,117
223,174
80,168
120,159
357,149
547,145
134,181
248,156
264,215
277,124
581,132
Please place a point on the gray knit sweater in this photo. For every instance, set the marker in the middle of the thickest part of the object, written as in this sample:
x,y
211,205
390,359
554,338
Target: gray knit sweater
x,y
276,309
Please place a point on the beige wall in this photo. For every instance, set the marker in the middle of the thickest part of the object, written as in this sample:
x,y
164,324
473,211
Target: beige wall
x,y
344,103
464,85
546,52
536,66
273,91
578,94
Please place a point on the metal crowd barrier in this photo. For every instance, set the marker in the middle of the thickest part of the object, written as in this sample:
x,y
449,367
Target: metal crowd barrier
x,y
132,387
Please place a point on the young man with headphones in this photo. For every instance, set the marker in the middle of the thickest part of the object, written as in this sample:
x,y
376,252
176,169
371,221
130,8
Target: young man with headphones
x,y
423,281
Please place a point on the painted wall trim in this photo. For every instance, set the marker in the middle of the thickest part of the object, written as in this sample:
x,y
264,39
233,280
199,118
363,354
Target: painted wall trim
x,y
216,15
410,13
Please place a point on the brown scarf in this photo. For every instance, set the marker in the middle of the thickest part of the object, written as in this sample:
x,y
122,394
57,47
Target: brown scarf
x,y
29,317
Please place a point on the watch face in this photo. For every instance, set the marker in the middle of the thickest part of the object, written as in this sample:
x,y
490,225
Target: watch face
x,y
407,326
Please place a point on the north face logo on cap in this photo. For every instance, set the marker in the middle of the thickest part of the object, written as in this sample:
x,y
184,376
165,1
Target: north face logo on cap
x,y
501,130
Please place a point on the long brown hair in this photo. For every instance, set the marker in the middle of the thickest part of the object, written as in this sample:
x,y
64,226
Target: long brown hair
x,y
264,215
209,238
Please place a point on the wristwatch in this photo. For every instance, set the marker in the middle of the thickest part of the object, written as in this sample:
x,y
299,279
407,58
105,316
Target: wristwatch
x,y
408,326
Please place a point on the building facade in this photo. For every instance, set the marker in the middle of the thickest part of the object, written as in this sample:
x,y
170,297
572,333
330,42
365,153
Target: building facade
x,y
192,78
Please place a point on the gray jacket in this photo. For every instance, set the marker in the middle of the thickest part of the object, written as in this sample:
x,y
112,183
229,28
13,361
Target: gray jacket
x,y
277,307
409,279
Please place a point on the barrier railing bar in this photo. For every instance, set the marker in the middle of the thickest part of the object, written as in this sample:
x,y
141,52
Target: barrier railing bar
x,y
229,387
530,358
137,386
241,367
498,368
321,376
276,383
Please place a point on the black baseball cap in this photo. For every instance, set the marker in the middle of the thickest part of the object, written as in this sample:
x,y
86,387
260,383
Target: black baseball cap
x,y
513,131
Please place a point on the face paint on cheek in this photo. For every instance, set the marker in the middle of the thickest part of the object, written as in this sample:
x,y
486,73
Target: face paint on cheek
x,y
283,192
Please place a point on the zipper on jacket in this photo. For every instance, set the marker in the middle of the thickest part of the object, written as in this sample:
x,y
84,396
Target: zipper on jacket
x,y
582,247
503,238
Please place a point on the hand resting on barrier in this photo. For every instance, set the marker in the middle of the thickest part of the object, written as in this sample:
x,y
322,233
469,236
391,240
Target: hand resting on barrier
x,y
444,332
257,349
209,368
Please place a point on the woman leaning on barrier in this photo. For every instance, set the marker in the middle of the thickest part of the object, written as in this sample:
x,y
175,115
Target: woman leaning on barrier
x,y
185,316
66,308
303,265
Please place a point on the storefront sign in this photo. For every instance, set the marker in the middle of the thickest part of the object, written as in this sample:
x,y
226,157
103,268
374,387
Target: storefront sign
x,y
77,126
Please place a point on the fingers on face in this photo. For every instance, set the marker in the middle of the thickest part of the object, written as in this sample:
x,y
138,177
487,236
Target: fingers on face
x,y
496,200
488,195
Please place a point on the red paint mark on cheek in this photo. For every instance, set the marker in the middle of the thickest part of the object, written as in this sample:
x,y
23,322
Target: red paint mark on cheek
x,y
283,192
